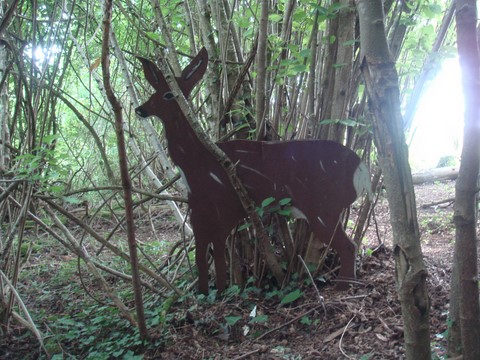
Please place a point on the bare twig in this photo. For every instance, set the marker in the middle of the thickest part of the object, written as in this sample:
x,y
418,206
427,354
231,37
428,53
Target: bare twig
x,y
246,355
448,201
290,321
93,270
320,297
341,338
28,322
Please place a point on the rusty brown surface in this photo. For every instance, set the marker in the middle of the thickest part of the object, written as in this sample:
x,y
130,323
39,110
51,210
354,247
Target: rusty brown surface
x,y
322,178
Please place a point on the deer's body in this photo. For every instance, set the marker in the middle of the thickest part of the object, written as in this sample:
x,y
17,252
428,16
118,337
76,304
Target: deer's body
x,y
322,178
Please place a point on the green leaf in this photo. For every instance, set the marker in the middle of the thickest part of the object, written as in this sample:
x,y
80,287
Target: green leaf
x,y
285,212
366,356
285,201
350,42
291,297
306,320
153,35
338,66
328,121
300,15
232,290
267,201
348,122
117,353
48,139
130,355
244,226
335,7
232,320
260,211
275,17
259,319
56,189
432,11
298,68
243,22
156,320
72,200
305,53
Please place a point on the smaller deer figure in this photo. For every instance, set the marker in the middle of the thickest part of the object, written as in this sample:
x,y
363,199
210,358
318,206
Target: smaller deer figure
x,y
322,178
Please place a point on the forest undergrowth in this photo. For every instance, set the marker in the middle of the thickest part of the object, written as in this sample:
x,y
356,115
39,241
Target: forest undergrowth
x,y
304,320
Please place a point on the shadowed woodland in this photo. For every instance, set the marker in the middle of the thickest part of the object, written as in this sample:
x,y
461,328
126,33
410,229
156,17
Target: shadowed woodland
x,y
98,257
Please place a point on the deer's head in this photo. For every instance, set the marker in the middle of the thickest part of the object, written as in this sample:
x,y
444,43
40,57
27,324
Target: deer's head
x,y
163,98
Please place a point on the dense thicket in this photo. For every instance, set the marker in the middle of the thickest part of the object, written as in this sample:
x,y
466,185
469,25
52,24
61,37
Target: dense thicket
x,y
278,70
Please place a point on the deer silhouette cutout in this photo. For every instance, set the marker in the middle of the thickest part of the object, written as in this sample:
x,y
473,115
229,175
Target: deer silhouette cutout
x,y
322,178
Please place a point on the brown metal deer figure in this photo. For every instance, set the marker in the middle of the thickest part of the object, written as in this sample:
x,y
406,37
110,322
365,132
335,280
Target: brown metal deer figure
x,y
322,178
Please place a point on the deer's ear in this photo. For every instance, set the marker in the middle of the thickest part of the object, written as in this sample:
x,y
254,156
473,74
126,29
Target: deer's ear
x,y
153,75
194,71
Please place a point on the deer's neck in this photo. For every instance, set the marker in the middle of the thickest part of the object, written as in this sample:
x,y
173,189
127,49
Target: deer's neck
x,y
185,148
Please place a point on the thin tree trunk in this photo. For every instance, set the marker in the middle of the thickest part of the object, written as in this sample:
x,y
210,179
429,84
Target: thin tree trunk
x,y
308,125
28,189
212,80
465,219
261,68
171,54
454,335
381,81
342,71
233,94
285,38
126,182
4,112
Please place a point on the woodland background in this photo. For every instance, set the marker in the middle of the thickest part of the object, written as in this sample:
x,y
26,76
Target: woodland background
x,y
279,70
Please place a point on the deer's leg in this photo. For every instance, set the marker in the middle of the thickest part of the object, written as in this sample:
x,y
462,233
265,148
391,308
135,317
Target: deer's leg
x,y
347,251
220,264
202,240
207,232
334,235
201,246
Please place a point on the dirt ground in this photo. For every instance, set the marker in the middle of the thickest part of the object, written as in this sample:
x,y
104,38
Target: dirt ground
x,y
362,323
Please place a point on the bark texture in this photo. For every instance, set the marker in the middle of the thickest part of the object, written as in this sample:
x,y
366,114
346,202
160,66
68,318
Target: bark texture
x,y
126,182
381,81
465,258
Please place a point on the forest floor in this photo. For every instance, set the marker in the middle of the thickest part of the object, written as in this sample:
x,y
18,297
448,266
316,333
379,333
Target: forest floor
x,y
362,323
